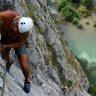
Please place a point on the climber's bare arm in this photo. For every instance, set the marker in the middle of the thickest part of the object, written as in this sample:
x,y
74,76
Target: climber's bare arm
x,y
7,15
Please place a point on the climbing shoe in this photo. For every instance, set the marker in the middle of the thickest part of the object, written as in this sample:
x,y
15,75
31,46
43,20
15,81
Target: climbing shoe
x,y
8,66
26,87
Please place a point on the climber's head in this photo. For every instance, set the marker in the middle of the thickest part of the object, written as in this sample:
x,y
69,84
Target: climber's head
x,y
22,25
25,24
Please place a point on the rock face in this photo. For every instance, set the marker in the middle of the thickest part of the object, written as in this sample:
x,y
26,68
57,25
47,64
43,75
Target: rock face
x,y
94,2
54,70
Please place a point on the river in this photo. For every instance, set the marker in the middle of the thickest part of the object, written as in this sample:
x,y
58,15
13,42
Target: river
x,y
82,42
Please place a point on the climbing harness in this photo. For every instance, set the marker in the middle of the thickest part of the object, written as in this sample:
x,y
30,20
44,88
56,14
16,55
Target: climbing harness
x,y
4,77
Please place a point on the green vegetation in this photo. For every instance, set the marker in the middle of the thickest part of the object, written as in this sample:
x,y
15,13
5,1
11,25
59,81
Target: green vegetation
x,y
75,21
62,3
79,26
73,10
69,13
90,75
57,20
87,3
87,23
53,56
70,83
83,64
56,65
63,88
62,76
94,24
92,90
83,11
31,9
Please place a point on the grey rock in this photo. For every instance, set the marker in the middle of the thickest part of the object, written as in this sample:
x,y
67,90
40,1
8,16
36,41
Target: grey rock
x,y
44,78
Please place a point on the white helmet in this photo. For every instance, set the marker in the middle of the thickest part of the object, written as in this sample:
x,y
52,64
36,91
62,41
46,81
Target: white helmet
x,y
25,24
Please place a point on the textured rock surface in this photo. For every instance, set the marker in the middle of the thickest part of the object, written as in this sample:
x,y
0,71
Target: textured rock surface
x,y
48,58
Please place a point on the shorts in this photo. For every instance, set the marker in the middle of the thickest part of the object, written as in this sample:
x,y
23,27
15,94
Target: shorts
x,y
18,51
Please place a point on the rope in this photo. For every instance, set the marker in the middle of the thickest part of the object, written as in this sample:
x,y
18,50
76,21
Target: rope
x,y
4,78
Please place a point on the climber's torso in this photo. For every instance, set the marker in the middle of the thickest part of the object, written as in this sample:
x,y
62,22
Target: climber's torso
x,y
5,27
10,31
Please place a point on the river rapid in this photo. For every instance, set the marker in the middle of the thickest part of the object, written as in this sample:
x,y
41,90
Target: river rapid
x,y
82,42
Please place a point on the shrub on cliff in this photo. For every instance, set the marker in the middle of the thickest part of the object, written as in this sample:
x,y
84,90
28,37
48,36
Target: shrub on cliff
x,y
69,13
75,21
83,11
62,4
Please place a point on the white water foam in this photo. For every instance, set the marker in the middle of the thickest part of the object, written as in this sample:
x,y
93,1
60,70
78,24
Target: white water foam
x,y
85,56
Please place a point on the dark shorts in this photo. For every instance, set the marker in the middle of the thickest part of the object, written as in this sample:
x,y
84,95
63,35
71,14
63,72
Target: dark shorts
x,y
19,50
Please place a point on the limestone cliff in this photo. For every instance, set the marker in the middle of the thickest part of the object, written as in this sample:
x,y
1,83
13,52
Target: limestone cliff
x,y
53,67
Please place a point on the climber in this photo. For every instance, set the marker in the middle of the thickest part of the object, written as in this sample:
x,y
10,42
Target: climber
x,y
14,32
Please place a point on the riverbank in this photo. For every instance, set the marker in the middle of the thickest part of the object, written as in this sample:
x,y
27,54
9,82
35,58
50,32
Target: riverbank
x,y
82,41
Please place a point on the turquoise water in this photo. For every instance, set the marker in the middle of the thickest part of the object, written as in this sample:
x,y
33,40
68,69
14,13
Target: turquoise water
x,y
82,42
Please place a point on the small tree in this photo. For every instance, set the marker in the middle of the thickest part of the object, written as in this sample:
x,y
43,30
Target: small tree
x,y
87,3
83,11
75,21
69,13
87,23
57,20
62,4
79,26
